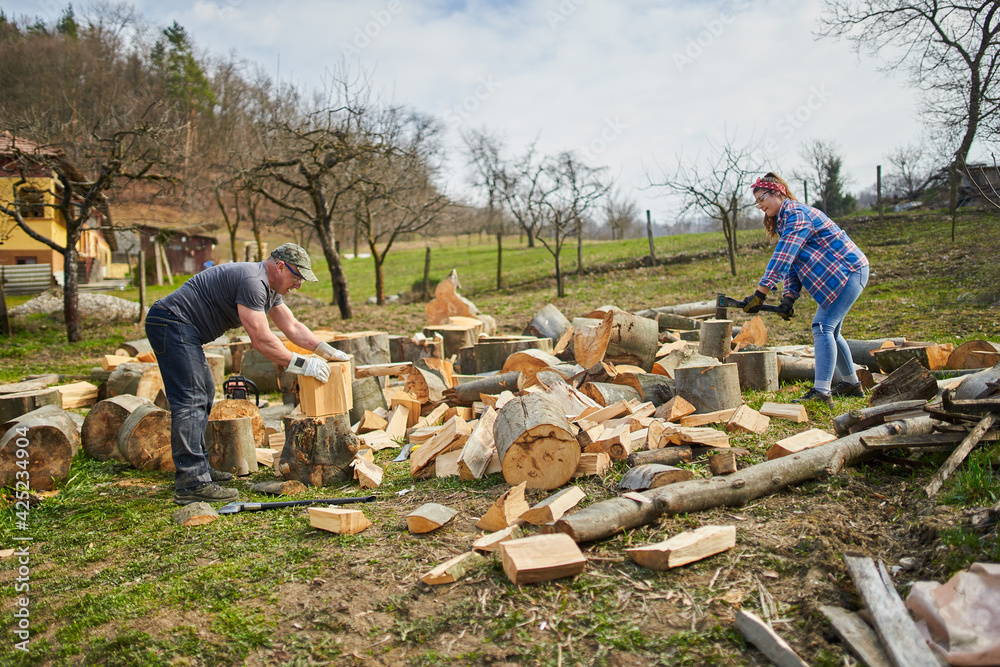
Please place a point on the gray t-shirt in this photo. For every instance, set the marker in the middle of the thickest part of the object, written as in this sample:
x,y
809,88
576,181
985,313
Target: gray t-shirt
x,y
209,300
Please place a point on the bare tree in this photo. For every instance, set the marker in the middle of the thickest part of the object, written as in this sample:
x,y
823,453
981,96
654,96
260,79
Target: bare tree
x,y
484,155
583,186
911,171
621,216
715,187
825,175
524,188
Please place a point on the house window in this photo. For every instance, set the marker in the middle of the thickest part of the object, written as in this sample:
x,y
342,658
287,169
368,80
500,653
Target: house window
x,y
31,202
26,260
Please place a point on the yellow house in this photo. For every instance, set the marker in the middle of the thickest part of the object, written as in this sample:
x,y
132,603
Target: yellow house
x,y
36,200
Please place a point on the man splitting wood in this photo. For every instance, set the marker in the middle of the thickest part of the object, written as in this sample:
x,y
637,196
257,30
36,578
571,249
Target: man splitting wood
x,y
206,306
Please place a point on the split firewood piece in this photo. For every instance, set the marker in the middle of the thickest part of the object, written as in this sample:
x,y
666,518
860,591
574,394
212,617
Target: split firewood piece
x,y
479,448
573,401
435,417
447,301
368,474
371,422
716,338
747,420
552,508
621,338
424,385
859,420
710,388
401,398
144,439
77,395
674,409
910,381
535,443
655,436
338,520
722,463
667,456
446,465
600,415
506,510
464,412
858,636
401,368
290,488
680,358
604,393
452,570
793,412
195,514
398,418
532,560
684,548
900,636
428,517
753,332
641,410
529,363
715,417
957,456
598,464
652,475
265,456
99,433
616,441
814,437
443,368
110,362
973,354
459,332
491,542
767,640
697,435
376,441
451,436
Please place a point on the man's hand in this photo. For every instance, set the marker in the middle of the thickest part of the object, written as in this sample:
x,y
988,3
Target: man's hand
x,y
752,303
330,353
786,311
310,366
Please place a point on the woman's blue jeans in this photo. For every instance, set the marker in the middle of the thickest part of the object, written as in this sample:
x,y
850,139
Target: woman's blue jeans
x,y
190,390
831,348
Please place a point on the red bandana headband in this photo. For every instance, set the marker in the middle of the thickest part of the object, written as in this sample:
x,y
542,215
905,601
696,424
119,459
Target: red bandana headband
x,y
768,185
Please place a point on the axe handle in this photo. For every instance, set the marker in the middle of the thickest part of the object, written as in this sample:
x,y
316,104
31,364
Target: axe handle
x,y
253,507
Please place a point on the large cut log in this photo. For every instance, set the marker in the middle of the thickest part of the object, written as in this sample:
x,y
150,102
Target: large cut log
x,y
368,396
549,322
367,347
671,322
19,403
861,351
621,338
979,385
931,356
655,389
492,354
318,450
605,394
137,379
716,338
757,370
144,439
68,422
710,388
100,429
911,381
468,392
974,354
404,348
608,517
234,408
134,348
535,442
800,369
48,452
230,445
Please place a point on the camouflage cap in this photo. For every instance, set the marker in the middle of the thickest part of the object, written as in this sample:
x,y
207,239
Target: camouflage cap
x,y
296,256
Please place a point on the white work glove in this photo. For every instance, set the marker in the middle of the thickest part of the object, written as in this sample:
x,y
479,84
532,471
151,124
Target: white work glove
x,y
310,366
330,353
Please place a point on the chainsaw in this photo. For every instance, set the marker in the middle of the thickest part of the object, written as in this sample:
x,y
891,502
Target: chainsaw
x,y
722,301
237,386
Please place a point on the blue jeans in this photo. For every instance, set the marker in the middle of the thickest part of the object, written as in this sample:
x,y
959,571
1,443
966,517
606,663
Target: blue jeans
x,y
190,390
831,348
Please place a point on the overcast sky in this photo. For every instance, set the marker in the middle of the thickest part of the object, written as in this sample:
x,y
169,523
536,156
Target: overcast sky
x,y
630,85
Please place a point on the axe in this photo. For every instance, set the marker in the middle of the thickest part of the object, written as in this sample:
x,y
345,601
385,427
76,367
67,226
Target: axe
x,y
233,508
722,302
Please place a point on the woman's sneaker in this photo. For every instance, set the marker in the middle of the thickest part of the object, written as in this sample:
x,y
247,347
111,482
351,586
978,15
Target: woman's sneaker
x,y
813,395
845,388
206,493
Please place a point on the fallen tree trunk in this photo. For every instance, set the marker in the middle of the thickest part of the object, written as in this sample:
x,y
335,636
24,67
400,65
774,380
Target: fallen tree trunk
x,y
608,517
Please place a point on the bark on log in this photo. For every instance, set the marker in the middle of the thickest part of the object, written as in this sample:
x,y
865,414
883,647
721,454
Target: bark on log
x,y
633,340
535,442
979,385
492,355
144,439
843,423
693,309
368,395
605,394
549,322
655,389
230,445
68,422
367,347
141,380
710,388
861,351
454,336
716,338
49,451
468,392
974,354
608,517
318,450
668,456
911,381
22,402
671,322
100,429
757,370
404,348
233,408
800,369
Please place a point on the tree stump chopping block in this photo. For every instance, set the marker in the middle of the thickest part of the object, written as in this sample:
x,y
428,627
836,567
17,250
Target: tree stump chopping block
x,y
710,388
535,442
234,408
757,370
230,445
103,423
318,450
144,439
48,452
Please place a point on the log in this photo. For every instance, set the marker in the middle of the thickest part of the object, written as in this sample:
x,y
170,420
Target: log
x,y
505,510
260,370
932,357
910,381
674,409
48,447
535,443
137,379
491,354
693,309
231,446
339,520
276,488
452,569
234,408
549,322
144,439
195,514
621,338
606,394
667,456
367,347
452,435
973,354
684,548
671,322
872,416
793,412
479,448
652,475
68,422
710,388
366,395
757,370
404,348
532,560
333,397
767,640
716,338
747,420
857,636
590,465
554,507
454,336
223,350
979,385
19,403
134,348
800,369
573,401
491,542
608,517
99,434
656,389
722,463
428,517
861,350
468,393
318,450
814,437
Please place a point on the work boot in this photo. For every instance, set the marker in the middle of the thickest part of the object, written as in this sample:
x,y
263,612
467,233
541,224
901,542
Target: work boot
x,y
209,492
845,388
219,476
813,395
